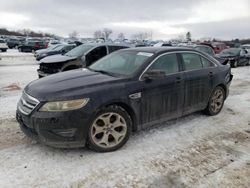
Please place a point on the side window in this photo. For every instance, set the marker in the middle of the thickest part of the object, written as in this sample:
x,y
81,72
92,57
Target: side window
x,y
206,63
167,63
96,54
192,61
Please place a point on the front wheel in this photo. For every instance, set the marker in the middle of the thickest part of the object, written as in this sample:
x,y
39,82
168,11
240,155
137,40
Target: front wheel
x,y
110,129
216,101
234,64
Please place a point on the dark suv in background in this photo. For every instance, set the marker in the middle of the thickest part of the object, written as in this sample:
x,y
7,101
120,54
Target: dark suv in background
x,y
32,46
81,56
13,42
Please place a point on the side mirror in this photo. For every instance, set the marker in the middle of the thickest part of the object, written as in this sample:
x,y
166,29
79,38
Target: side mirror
x,y
154,75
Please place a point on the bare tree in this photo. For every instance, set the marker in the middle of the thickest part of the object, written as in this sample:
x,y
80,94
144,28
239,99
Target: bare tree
x,y
188,36
121,36
98,34
141,36
73,35
107,32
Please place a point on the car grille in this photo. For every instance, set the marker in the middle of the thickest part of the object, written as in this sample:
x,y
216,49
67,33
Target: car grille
x,y
50,68
27,104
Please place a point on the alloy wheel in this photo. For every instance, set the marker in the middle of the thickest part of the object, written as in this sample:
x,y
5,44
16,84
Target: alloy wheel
x,y
108,130
217,101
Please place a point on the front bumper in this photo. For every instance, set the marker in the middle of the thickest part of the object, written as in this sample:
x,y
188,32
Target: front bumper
x,y
60,130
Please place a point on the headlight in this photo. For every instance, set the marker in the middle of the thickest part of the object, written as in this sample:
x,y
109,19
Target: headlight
x,y
64,105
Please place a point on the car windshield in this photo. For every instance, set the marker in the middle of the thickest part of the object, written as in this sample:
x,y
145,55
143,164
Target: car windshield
x,y
59,47
79,51
124,63
53,47
232,51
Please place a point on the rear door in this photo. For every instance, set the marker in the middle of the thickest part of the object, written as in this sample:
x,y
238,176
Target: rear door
x,y
163,98
199,73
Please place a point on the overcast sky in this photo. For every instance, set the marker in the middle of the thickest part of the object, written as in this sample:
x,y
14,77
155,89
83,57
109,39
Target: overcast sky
x,y
224,19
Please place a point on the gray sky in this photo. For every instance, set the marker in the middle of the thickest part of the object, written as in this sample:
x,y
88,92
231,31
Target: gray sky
x,y
224,19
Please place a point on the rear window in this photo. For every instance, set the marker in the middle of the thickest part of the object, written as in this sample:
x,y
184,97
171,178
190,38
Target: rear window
x,y
192,61
115,48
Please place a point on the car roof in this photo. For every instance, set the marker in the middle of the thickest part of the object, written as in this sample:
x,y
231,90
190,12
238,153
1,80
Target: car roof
x,y
156,50
106,44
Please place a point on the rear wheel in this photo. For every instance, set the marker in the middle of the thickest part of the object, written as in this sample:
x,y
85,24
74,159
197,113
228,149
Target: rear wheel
x,y
110,129
216,101
248,63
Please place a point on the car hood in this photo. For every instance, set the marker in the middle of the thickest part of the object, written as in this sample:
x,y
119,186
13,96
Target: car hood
x,y
69,85
41,51
57,59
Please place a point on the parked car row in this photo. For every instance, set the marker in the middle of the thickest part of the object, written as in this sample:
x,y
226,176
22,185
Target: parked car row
x,y
81,56
128,90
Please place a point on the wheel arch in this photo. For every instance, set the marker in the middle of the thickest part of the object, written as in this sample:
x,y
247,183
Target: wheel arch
x,y
223,87
129,110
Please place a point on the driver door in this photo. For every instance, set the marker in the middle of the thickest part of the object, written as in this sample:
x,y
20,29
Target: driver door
x,y
162,99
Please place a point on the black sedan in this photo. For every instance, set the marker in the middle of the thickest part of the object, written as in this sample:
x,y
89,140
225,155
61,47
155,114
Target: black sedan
x,y
60,49
235,56
126,91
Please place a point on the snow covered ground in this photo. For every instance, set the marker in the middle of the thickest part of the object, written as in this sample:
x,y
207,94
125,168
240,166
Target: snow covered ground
x,y
193,151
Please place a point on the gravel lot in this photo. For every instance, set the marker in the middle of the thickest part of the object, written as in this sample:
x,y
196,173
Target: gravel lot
x,y
193,151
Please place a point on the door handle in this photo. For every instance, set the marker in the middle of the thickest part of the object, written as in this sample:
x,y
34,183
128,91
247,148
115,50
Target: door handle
x,y
178,80
211,74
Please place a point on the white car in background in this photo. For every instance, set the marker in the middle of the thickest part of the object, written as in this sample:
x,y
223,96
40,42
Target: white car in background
x,y
246,47
53,42
3,45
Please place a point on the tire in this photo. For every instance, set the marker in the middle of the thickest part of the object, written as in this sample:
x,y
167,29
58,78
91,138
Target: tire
x,y
111,135
213,107
248,63
20,50
234,64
